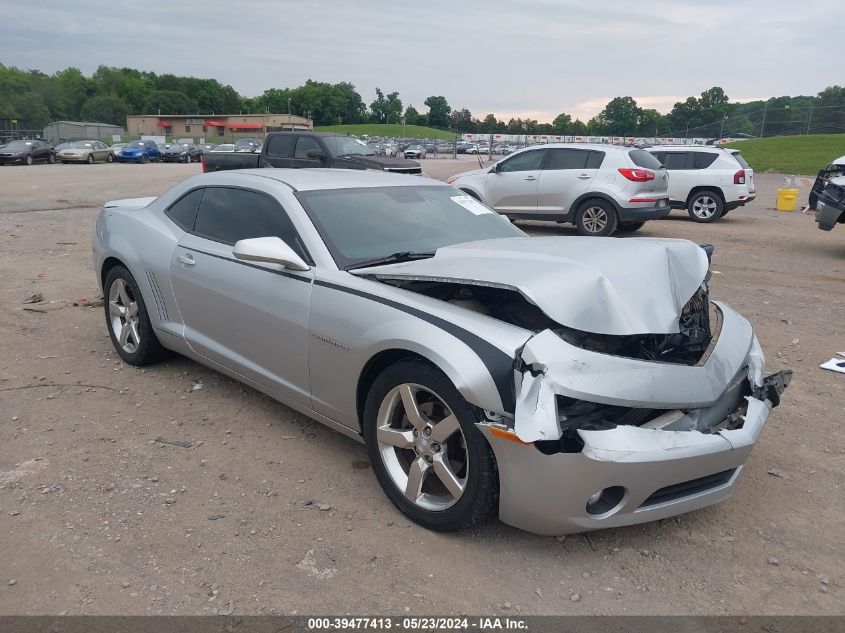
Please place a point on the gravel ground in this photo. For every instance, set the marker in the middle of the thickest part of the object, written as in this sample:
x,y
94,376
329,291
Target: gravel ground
x,y
269,512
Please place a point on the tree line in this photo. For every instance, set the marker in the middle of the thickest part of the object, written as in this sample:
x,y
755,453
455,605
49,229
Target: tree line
x,y
110,94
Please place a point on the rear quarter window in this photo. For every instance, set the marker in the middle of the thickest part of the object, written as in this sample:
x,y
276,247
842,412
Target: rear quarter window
x,y
703,160
281,146
184,211
740,160
642,158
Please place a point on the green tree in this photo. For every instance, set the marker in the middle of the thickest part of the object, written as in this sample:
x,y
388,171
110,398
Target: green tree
x,y
438,112
170,102
411,116
561,123
106,109
620,116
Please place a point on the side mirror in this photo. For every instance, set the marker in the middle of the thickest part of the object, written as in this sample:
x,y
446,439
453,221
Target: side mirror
x,y
495,168
270,250
316,154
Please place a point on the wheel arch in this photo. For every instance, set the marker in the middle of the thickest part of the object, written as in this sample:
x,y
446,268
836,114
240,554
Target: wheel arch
x,y
471,192
587,197
109,263
699,188
472,379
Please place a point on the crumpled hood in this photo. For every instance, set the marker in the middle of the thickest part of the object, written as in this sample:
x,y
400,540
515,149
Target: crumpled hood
x,y
594,284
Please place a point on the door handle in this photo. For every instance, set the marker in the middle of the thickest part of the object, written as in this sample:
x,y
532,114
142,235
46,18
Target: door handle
x,y
584,176
530,178
187,259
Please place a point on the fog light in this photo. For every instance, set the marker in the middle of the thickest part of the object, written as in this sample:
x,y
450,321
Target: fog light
x,y
606,500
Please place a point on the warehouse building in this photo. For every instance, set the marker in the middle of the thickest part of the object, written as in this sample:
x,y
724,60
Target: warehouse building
x,y
61,131
211,125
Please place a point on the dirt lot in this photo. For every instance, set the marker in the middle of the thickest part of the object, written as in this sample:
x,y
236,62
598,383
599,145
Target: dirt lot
x,y
97,517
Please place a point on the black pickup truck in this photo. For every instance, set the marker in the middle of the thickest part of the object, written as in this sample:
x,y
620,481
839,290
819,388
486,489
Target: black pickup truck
x,y
309,149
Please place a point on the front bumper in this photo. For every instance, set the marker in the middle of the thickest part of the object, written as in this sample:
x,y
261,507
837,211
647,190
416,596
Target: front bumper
x,y
652,473
11,160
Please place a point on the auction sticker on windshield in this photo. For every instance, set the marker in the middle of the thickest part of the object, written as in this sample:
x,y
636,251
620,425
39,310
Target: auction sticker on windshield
x,y
471,204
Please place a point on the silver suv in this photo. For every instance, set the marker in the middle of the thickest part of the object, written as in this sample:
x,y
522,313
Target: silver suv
x,y
599,188
707,181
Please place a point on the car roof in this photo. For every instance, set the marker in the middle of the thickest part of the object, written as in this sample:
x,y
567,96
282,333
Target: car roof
x,y
591,146
698,148
321,178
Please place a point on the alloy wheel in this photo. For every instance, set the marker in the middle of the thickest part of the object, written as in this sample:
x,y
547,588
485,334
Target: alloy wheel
x,y
124,318
422,447
704,207
595,219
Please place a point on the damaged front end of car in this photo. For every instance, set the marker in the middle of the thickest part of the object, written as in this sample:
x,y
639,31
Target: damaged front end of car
x,y
637,397
620,430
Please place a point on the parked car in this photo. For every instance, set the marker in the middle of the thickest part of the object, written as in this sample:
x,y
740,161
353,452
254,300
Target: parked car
x,y
139,152
707,181
162,147
224,147
248,144
26,153
86,152
181,153
471,149
116,147
206,147
415,151
310,149
828,195
597,189
471,359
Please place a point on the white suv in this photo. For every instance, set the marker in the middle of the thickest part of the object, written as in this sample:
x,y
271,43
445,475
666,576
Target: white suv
x,y
707,181
599,188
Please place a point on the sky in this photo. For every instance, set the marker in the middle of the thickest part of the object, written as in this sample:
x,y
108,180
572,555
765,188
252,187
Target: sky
x,y
526,58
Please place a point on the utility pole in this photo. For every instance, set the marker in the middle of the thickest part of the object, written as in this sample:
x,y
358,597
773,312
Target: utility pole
x,y
763,125
809,119
686,134
290,120
722,129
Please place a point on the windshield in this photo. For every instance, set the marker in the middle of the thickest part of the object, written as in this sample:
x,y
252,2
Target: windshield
x,y
136,144
248,142
16,146
79,144
358,225
345,145
177,147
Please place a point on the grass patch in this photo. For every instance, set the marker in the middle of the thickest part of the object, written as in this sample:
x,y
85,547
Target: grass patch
x,y
798,155
389,129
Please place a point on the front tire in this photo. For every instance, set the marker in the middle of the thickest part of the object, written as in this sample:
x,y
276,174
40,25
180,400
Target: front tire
x,y
144,159
127,320
705,206
427,454
596,218
51,158
28,159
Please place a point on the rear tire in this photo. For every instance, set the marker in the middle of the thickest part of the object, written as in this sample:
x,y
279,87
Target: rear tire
x,y
596,218
188,159
630,228
438,442
127,320
109,158
90,159
705,206
51,158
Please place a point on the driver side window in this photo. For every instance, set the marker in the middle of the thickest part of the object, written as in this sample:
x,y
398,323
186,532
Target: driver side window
x,y
303,144
527,161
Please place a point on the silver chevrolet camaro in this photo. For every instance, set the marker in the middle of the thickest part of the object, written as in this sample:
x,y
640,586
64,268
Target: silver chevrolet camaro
x,y
565,383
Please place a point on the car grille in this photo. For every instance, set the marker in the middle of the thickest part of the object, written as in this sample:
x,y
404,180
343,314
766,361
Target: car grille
x,y
688,488
413,171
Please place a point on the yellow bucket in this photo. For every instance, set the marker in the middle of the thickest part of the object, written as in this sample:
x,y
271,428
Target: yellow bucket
x,y
787,199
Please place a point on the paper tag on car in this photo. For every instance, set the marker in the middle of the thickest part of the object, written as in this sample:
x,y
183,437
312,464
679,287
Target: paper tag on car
x,y
471,204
